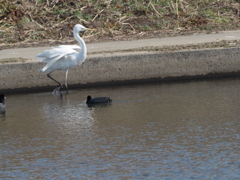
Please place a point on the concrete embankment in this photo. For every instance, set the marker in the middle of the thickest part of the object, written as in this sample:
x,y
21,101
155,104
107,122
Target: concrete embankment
x,y
117,69
100,69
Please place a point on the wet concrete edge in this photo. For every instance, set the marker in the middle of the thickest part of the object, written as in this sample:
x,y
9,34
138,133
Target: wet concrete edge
x,y
125,69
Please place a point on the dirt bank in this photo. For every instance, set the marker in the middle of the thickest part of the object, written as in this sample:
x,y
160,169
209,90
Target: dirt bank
x,y
30,23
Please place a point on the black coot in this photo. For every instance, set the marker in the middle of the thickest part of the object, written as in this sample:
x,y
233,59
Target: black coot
x,y
98,100
2,104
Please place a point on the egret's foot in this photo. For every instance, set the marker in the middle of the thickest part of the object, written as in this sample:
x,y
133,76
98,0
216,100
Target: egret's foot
x,y
57,91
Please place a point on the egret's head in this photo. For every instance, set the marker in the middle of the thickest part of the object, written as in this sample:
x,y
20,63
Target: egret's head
x,y
79,27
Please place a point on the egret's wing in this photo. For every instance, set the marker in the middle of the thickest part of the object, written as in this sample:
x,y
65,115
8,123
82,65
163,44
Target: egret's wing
x,y
60,51
50,63
48,55
53,55
70,46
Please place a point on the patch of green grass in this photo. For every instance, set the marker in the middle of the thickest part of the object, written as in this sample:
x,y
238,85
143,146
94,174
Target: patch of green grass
x,y
222,20
87,17
128,14
100,6
5,25
146,28
210,14
25,20
34,37
42,1
77,14
61,11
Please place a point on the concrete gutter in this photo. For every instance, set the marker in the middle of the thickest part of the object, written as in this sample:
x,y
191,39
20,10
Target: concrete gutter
x,y
110,68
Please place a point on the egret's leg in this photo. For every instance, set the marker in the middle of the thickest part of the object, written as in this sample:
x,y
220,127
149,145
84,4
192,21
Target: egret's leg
x,y
56,91
48,75
66,80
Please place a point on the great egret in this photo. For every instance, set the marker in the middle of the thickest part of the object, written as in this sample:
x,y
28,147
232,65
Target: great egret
x,y
2,104
64,57
98,100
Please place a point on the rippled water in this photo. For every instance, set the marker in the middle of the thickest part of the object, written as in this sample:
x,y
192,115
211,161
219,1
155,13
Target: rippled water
x,y
187,130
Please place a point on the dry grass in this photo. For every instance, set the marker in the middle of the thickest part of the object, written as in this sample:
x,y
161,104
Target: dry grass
x,y
36,21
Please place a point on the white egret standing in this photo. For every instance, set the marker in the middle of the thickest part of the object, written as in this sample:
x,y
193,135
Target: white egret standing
x,y
64,57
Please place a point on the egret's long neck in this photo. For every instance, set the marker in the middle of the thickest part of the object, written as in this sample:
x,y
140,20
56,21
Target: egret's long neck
x,y
82,43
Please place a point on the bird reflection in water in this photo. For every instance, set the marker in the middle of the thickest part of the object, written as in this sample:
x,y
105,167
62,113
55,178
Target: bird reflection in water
x,y
69,116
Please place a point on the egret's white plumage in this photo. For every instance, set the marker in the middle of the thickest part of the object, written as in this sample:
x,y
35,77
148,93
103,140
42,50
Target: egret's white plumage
x,y
64,57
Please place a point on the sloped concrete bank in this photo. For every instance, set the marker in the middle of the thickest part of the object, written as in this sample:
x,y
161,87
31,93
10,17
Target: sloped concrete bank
x,y
125,68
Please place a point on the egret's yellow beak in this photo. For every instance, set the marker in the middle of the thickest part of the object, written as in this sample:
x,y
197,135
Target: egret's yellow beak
x,y
90,29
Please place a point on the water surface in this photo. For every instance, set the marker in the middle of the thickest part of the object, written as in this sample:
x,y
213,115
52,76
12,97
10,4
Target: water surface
x,y
188,130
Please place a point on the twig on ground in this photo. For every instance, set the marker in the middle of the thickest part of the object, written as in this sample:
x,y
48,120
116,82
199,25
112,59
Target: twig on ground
x,y
62,22
97,15
150,2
